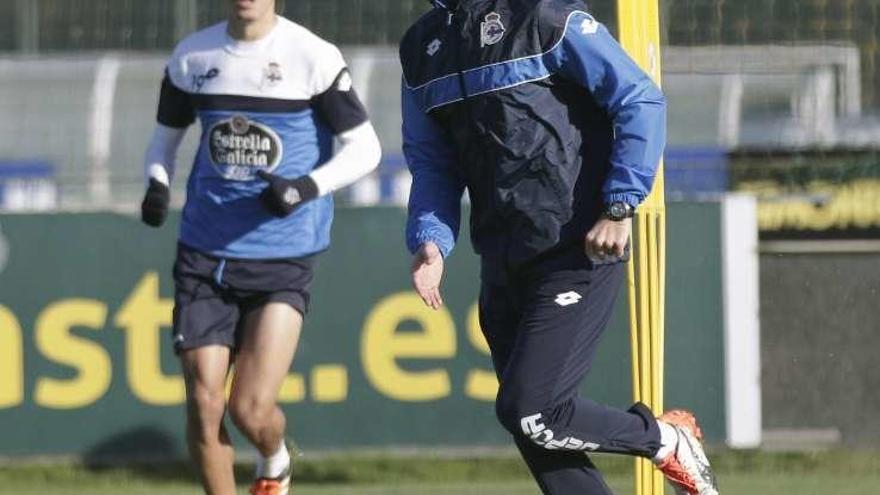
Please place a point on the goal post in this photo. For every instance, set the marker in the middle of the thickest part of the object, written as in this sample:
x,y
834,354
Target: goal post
x,y
639,28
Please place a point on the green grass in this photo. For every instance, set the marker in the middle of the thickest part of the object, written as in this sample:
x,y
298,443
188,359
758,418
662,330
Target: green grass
x,y
748,473
730,485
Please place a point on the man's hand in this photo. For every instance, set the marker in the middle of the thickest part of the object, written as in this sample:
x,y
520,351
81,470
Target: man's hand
x,y
608,238
283,196
427,272
154,208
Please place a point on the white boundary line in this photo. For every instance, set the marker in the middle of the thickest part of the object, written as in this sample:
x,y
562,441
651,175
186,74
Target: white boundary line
x,y
742,332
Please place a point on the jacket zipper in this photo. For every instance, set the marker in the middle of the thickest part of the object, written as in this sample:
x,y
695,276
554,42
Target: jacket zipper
x,y
453,21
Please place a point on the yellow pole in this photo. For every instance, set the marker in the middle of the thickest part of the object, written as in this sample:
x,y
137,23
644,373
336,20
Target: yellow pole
x,y
639,27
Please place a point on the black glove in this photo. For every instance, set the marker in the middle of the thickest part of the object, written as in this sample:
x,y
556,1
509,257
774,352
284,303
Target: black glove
x,y
283,196
154,208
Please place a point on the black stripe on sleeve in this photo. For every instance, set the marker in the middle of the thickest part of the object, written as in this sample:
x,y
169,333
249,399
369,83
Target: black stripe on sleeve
x,y
175,107
242,103
340,106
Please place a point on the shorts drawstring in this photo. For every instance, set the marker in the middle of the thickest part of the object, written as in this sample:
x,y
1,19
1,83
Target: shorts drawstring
x,y
218,273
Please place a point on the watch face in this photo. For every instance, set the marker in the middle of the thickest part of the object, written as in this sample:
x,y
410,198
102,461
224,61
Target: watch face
x,y
617,211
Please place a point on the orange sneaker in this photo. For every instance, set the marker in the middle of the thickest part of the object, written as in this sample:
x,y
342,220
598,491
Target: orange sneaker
x,y
272,486
687,467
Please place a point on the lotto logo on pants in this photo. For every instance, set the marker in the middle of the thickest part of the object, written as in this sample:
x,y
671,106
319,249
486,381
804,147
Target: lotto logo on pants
x,y
543,436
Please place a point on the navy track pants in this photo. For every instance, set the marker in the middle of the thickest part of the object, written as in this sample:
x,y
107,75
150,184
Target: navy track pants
x,y
543,331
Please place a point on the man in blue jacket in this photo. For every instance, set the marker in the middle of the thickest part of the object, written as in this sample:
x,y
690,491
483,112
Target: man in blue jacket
x,y
556,134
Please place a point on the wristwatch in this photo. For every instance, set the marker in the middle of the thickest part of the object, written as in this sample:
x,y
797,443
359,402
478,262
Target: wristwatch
x,y
618,210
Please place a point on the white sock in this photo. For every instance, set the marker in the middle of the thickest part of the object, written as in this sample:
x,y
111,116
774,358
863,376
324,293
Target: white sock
x,y
668,441
275,464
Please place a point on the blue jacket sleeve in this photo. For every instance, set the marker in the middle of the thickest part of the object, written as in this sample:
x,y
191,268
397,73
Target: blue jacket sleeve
x,y
435,196
589,55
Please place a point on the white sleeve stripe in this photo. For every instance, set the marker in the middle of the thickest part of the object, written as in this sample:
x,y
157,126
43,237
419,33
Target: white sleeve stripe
x,y
161,155
358,154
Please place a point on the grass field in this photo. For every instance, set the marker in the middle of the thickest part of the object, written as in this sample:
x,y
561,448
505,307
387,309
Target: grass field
x,y
730,485
739,474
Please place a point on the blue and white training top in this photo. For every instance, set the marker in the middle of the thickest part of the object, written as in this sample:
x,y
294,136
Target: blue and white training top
x,y
273,104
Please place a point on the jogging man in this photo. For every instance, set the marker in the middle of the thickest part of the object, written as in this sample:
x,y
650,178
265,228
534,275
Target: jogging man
x,y
270,96
556,134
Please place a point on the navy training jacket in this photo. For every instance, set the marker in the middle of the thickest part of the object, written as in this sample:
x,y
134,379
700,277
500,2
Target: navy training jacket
x,y
535,109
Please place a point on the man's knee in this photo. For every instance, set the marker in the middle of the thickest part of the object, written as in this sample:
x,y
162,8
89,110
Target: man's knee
x,y
511,408
519,415
249,411
205,409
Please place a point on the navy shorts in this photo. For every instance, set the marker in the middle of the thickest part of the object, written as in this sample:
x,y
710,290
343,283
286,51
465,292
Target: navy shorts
x,y
212,295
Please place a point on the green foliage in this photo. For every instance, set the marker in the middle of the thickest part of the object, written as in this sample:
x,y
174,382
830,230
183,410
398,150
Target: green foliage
x,y
793,171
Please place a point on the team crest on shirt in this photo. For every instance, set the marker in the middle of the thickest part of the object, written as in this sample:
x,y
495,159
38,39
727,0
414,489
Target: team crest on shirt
x,y
271,75
240,147
491,30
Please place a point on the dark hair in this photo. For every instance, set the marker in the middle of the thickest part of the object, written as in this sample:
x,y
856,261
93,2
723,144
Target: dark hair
x,y
279,6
